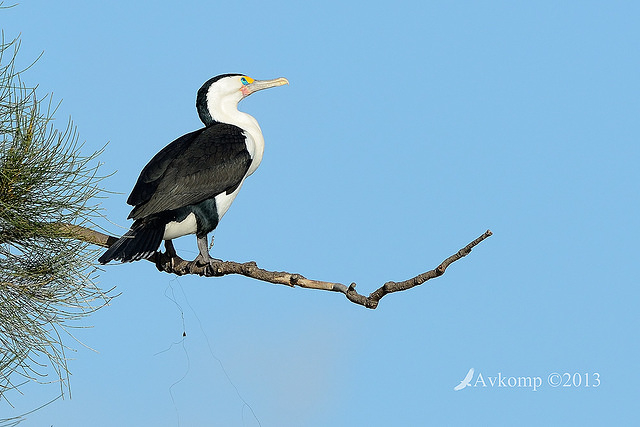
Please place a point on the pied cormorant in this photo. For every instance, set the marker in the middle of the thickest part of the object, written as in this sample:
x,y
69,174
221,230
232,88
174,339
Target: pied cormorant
x,y
189,185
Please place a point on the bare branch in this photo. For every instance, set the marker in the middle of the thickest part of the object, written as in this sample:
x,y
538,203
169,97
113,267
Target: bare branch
x,y
87,235
179,266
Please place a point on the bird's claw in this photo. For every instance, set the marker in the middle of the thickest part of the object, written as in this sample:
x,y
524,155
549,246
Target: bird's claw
x,y
202,260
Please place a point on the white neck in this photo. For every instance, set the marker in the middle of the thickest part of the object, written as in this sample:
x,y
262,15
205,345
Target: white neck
x,y
227,112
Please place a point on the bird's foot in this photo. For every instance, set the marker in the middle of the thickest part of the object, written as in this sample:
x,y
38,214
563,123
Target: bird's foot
x,y
203,257
170,250
202,260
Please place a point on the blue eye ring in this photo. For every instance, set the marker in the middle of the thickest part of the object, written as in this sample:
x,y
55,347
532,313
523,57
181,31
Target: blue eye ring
x,y
244,81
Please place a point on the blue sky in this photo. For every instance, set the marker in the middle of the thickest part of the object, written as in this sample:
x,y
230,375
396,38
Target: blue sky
x,y
408,129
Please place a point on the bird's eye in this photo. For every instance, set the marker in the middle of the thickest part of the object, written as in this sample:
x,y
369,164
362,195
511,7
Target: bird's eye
x,y
244,81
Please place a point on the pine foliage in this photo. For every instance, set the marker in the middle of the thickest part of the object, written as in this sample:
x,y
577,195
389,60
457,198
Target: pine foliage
x,y
46,276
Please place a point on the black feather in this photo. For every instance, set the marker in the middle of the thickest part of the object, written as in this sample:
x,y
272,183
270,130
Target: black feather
x,y
193,168
140,242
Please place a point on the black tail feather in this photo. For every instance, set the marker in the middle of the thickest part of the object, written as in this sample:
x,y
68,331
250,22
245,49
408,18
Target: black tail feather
x,y
140,242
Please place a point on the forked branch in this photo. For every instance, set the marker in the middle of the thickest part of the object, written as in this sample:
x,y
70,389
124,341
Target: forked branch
x,y
179,266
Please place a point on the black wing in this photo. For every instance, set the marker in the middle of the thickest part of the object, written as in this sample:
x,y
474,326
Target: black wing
x,y
193,168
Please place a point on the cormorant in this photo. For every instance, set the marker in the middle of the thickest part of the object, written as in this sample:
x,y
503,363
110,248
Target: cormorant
x,y
189,185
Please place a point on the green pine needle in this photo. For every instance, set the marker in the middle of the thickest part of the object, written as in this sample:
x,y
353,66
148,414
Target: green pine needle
x,y
46,278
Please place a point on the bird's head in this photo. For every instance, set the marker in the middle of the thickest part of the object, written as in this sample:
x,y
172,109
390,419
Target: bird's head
x,y
218,98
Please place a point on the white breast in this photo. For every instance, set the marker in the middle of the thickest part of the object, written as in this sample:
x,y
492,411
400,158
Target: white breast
x,y
224,200
255,143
